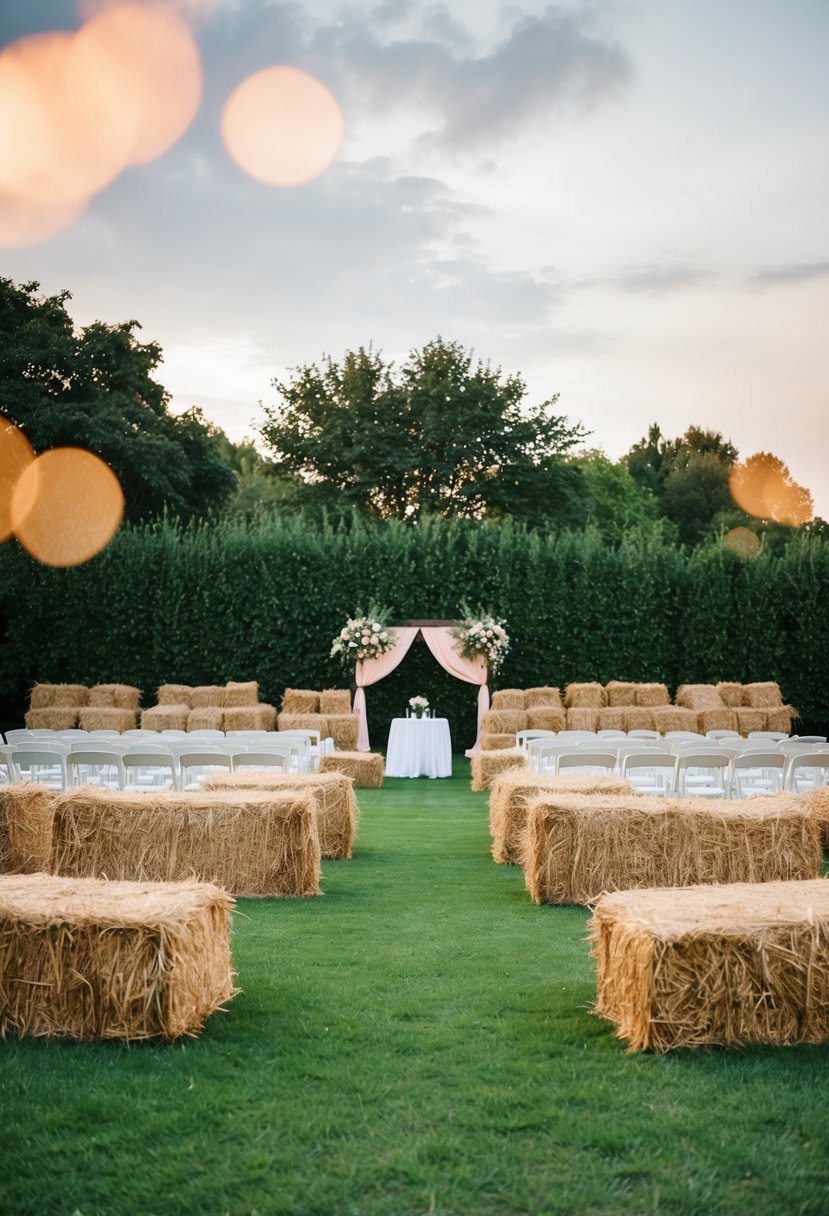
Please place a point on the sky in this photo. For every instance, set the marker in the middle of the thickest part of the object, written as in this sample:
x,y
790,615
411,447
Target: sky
x,y
624,201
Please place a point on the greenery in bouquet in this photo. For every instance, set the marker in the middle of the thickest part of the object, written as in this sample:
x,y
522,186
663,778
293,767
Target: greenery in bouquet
x,y
364,636
483,634
418,706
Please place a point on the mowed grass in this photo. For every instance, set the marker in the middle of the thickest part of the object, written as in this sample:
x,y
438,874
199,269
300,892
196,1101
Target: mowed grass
x,y
416,1041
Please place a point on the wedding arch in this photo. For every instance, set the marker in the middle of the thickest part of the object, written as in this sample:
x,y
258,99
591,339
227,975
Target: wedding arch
x,y
441,641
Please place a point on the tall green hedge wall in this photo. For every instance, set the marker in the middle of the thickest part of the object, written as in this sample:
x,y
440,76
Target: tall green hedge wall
x,y
231,601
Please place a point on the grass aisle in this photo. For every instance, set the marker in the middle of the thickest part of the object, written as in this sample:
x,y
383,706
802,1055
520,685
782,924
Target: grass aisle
x,y
417,1041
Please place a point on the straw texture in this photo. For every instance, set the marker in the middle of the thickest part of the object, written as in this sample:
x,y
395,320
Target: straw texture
x,y
546,718
26,812
300,701
651,695
335,701
59,696
174,694
364,768
637,718
618,692
209,718
611,718
582,719
698,696
673,717
486,766
165,717
578,848
94,960
251,843
307,721
493,743
764,695
203,695
505,721
727,965
508,698
51,719
106,718
546,696
584,696
750,719
731,693
720,718
817,804
236,694
115,696
250,717
781,719
342,728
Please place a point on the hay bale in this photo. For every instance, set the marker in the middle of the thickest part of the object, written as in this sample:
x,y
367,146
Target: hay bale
x,y
673,717
51,719
93,960
698,696
585,696
546,718
582,719
717,719
302,722
335,701
165,717
250,717
578,848
817,803
513,791
611,718
300,701
783,718
174,694
236,694
335,804
505,721
721,965
115,696
619,692
763,696
26,811
58,696
255,844
203,696
636,718
106,719
508,698
649,696
342,728
486,766
364,768
209,718
544,697
731,694
750,719
497,743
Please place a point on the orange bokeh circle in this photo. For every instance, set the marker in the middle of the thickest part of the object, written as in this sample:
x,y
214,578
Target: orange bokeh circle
x,y
15,454
66,506
742,541
762,486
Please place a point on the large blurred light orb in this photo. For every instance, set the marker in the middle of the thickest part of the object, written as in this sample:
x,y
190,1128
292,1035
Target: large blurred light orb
x,y
66,506
762,486
15,454
742,541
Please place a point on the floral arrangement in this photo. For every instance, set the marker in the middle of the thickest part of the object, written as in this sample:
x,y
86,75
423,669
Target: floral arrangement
x,y
483,635
418,706
362,637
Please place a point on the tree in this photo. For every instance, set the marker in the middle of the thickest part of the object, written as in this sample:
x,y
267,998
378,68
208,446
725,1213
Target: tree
x,y
438,436
614,502
689,477
95,389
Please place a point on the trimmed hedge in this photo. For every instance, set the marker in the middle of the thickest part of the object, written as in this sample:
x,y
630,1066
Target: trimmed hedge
x,y
210,603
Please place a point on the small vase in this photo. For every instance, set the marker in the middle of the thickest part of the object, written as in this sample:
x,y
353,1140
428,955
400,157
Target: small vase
x,y
418,713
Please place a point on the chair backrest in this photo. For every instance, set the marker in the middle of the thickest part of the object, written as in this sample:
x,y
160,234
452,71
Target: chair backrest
x,y
40,764
809,738
207,760
296,748
678,736
139,732
206,733
540,753
611,734
647,759
722,734
586,759
658,768
70,736
236,735
268,759
644,734
7,773
817,762
22,735
104,734
707,761
152,760
572,736
174,734
97,760
777,735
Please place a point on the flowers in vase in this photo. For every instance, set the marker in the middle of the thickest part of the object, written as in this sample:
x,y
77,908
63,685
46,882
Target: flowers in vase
x,y
362,637
483,635
418,706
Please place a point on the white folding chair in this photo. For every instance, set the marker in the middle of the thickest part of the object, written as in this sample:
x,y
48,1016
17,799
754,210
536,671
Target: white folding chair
x,y
542,756
149,768
203,735
644,734
7,773
722,734
756,772
703,773
195,766
775,736
94,766
267,759
807,771
608,735
104,734
44,765
72,736
591,762
523,738
577,736
650,771
22,734
809,738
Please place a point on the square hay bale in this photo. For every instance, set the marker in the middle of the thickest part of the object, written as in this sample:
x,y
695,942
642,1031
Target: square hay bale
x,y
254,844
673,717
165,717
204,695
342,728
302,722
750,719
209,718
240,694
512,792
174,694
546,717
763,696
115,696
726,965
585,696
364,768
611,718
508,698
698,696
731,693
578,848
91,959
505,721
93,718
717,719
649,696
497,743
58,696
300,701
486,766
26,811
637,718
250,717
781,719
582,719
817,804
546,696
620,692
52,718
335,804
335,701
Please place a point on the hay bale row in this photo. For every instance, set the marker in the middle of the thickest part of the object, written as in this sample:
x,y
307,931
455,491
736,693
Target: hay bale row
x,y
723,965
544,697
209,717
495,743
115,696
342,728
51,718
364,768
488,765
58,696
584,696
698,696
95,960
309,701
761,695
577,848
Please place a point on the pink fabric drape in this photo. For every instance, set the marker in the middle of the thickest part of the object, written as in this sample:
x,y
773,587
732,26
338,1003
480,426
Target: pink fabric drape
x,y
442,644
369,671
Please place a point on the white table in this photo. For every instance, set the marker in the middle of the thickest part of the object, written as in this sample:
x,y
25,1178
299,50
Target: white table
x,y
419,747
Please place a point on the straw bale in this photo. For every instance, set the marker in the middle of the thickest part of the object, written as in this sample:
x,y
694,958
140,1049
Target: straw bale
x,y
637,718
165,717
106,718
505,721
544,697
250,717
300,701
174,694
585,696
496,743
750,719
365,768
58,696
763,696
52,718
508,698
698,696
335,804
486,766
620,693
335,701
252,843
546,717
91,959
209,718
582,719
302,722
236,694
727,965
731,693
204,695
721,718
342,728
673,717
26,811
817,804
115,696
512,792
578,848
651,695
611,718
781,719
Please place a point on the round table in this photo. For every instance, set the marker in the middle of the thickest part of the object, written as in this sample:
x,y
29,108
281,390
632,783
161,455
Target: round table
x,y
419,747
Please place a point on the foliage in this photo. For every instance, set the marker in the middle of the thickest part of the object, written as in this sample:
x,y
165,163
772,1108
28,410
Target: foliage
x,y
614,501
362,637
486,636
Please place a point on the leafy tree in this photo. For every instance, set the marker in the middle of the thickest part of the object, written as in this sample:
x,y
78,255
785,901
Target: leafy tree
x,y
94,388
437,436
613,500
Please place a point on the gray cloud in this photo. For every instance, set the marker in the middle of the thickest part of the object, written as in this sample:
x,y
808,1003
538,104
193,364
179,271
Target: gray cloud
x,y
797,272
652,279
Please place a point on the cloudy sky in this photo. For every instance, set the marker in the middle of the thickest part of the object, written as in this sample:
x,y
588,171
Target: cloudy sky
x,y
627,201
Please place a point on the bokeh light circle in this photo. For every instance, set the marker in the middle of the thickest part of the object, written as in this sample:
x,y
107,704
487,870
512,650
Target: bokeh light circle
x,y
66,506
15,454
742,541
282,126
763,487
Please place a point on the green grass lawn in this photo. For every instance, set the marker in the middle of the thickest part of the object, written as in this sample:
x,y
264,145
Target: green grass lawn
x,y
416,1041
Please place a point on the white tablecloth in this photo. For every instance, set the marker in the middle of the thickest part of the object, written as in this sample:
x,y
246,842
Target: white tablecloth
x,y
419,747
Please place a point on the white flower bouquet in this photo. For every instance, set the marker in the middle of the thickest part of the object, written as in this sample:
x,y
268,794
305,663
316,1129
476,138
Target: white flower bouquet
x,y
483,635
362,637
418,706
